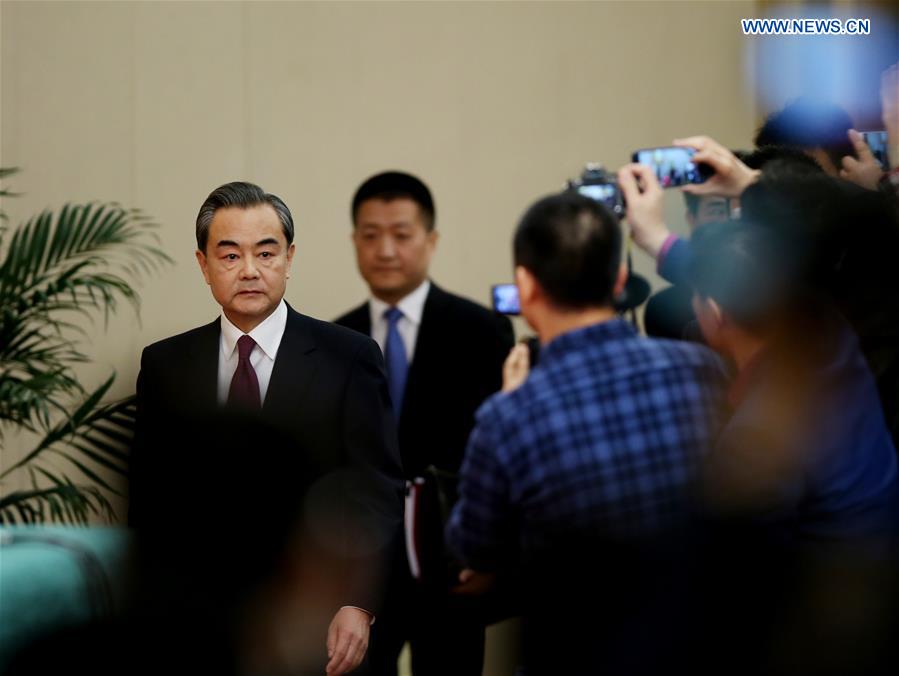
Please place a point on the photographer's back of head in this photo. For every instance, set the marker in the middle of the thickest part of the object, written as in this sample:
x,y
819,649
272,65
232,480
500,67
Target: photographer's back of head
x,y
744,283
779,159
752,291
848,235
567,252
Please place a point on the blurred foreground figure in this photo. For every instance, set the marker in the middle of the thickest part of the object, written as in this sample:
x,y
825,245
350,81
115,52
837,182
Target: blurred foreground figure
x,y
819,129
801,488
240,572
580,479
842,238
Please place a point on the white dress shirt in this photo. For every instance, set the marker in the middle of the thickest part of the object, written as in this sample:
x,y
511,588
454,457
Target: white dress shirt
x,y
268,337
412,307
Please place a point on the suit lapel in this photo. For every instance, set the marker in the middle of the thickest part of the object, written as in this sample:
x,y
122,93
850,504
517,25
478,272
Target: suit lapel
x,y
428,336
204,364
295,364
430,327
358,319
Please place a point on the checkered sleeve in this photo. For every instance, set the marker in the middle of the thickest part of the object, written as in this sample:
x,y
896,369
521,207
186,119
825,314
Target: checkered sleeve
x,y
480,530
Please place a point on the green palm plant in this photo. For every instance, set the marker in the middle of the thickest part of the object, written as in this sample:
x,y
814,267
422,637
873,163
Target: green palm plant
x,y
56,269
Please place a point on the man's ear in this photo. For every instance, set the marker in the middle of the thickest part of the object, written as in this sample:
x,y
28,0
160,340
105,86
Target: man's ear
x,y
708,310
716,312
291,250
528,288
204,264
433,236
620,281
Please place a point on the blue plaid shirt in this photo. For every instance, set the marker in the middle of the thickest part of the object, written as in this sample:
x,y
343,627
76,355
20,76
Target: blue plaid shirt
x,y
602,439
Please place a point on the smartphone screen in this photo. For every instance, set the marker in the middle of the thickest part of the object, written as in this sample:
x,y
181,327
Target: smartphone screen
x,y
877,142
505,299
673,165
607,193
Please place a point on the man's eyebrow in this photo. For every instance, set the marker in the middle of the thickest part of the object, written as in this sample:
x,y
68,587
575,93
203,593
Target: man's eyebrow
x,y
387,226
267,240
226,242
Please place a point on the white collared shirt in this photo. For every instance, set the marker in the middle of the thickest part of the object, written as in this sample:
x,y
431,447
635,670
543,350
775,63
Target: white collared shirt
x,y
412,307
268,337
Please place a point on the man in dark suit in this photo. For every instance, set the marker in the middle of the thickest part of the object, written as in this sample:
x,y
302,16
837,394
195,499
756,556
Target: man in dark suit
x,y
444,356
323,385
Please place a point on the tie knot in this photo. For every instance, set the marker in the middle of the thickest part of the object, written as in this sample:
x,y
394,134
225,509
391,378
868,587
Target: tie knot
x,y
245,346
392,315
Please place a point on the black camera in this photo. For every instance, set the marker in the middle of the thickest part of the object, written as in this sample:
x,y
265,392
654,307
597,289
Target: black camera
x,y
601,186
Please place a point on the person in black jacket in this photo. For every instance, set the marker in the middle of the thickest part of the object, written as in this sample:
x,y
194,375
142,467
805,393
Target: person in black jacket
x,y
321,385
444,356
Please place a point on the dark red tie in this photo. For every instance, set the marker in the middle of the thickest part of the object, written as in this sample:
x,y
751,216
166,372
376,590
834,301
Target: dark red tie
x,y
244,390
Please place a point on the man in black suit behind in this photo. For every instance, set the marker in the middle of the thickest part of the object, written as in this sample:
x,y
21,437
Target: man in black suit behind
x,y
444,357
321,384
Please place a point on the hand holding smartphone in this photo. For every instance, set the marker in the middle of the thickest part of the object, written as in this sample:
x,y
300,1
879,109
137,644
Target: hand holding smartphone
x,y
673,165
878,143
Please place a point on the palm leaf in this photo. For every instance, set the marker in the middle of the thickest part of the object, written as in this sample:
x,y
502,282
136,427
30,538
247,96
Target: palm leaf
x,y
30,401
76,262
63,429
48,257
100,434
4,172
67,503
81,261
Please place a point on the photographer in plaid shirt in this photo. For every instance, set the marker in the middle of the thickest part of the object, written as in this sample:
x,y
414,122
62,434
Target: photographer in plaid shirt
x,y
580,479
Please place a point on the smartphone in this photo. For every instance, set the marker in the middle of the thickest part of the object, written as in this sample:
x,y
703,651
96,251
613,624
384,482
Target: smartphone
x,y
673,165
505,299
877,142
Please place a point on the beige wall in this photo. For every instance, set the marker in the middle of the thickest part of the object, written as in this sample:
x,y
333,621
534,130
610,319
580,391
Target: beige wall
x,y
154,104
493,104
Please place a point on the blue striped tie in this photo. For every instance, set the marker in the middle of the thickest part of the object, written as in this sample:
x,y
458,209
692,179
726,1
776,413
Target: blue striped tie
x,y
395,356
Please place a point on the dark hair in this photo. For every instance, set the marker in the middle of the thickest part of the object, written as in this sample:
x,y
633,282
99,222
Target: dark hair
x,y
572,246
782,156
747,269
795,201
391,185
808,124
846,235
243,195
